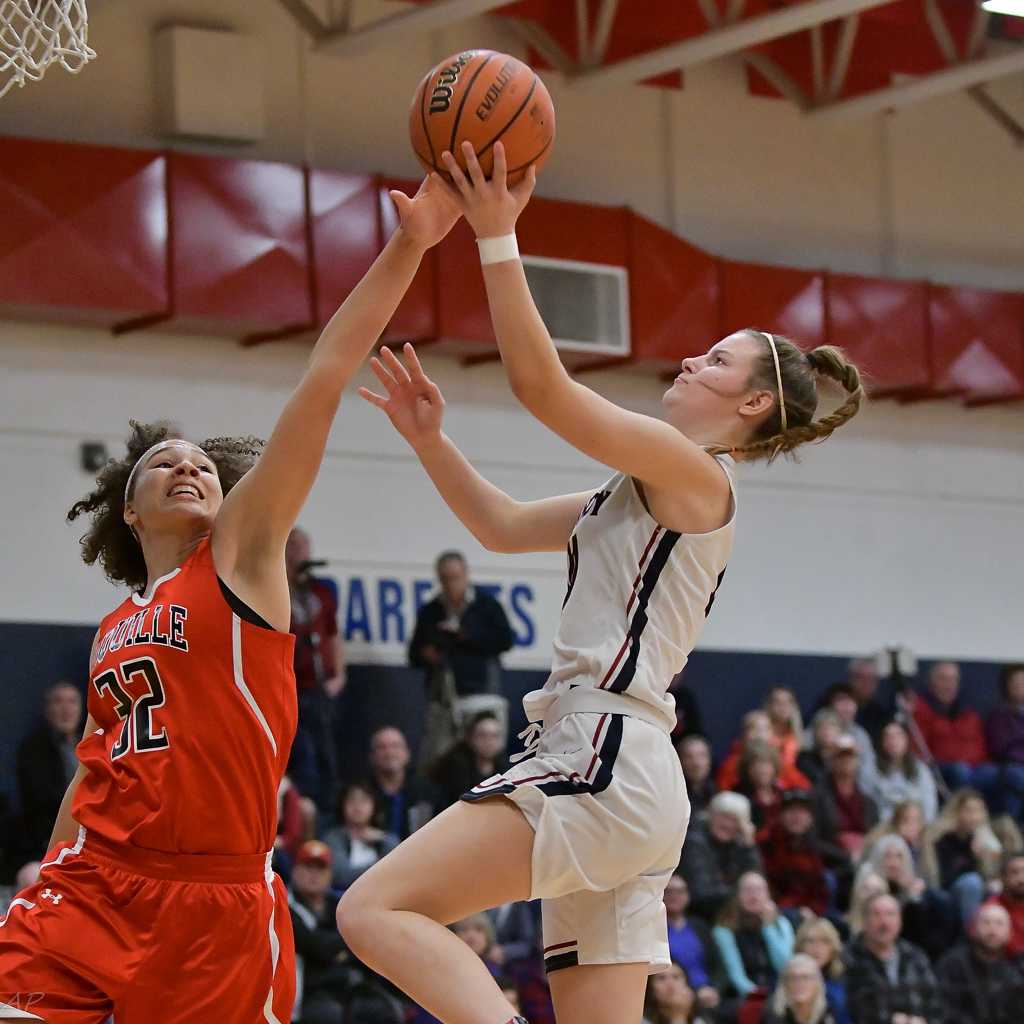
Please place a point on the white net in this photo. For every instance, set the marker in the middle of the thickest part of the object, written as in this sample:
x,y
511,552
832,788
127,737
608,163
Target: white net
x,y
37,33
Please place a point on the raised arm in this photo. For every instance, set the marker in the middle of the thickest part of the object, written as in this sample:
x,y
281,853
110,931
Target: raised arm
x,y
254,522
642,446
415,406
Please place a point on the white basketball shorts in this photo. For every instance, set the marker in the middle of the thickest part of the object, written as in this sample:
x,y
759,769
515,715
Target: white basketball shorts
x,y
605,795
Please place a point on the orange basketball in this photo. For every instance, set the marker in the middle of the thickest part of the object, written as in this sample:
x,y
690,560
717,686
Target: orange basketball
x,y
481,96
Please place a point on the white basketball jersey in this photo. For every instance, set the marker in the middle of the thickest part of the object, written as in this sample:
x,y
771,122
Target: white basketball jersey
x,y
636,603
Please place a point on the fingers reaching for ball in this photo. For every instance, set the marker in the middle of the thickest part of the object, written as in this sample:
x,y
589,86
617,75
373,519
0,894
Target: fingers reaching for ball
x,y
491,209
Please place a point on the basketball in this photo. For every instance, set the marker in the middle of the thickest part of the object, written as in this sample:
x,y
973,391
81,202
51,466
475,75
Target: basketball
x,y
481,96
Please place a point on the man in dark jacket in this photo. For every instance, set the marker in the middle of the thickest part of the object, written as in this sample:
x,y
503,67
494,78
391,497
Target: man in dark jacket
x,y
47,763
1005,734
405,800
463,629
458,638
715,855
888,980
326,971
978,981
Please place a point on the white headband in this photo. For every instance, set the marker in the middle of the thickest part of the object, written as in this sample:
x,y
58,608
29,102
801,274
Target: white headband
x,y
778,378
166,443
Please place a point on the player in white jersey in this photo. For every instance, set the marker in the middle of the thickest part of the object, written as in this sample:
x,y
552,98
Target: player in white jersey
x,y
592,817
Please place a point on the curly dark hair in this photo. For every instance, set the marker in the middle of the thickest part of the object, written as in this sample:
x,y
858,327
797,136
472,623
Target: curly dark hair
x,y
109,539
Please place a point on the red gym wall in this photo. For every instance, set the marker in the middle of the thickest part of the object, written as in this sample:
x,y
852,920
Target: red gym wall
x,y
257,250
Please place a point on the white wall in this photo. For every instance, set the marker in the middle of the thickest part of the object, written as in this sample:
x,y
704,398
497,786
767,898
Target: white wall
x,y
904,528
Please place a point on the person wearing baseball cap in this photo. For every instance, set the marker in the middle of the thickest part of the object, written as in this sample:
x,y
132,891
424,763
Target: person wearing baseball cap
x,y
314,852
328,972
793,863
844,811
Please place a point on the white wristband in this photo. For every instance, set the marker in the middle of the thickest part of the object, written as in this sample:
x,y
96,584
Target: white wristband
x,y
498,250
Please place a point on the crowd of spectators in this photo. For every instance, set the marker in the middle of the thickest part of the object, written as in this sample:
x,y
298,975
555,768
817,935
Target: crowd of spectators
x,y
867,868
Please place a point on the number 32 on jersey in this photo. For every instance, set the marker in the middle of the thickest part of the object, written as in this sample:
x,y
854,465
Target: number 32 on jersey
x,y
138,733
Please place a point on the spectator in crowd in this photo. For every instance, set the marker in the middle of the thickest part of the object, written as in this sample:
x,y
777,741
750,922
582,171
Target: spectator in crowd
x,y
928,917
844,813
356,843
47,763
457,640
787,722
670,999
717,853
793,863
962,853
325,966
889,980
900,775
867,883
405,800
839,698
754,940
1005,733
476,756
978,981
690,944
953,732
695,758
515,934
1011,898
800,997
689,721
908,823
759,783
825,733
757,728
296,819
319,662
873,713
818,938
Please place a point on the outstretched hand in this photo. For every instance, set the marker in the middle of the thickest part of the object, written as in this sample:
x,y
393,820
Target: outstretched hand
x,y
430,214
491,207
413,403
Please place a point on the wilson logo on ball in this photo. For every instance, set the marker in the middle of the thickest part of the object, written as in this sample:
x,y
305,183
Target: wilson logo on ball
x,y
441,97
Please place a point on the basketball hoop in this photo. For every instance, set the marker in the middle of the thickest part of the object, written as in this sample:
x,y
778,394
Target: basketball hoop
x,y
37,33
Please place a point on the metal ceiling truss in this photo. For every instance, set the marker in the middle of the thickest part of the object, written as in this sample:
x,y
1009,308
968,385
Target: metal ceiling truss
x,y
960,76
965,71
728,38
343,40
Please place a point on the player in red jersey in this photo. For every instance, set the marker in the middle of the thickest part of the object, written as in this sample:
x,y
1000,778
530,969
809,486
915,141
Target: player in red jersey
x,y
156,901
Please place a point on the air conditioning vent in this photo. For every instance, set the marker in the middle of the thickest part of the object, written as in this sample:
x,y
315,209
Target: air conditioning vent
x,y
585,306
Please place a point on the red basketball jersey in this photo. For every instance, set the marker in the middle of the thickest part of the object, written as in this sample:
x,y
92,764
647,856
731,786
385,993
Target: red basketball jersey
x,y
196,709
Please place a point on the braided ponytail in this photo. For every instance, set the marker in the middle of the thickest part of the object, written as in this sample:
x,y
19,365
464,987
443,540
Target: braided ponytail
x,y
800,372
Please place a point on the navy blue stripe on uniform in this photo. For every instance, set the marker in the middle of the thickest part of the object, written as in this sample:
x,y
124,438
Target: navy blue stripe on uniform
x,y
493,791
711,599
561,961
603,778
608,754
639,622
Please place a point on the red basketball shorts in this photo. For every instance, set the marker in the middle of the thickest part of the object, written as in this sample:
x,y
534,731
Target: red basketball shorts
x,y
151,938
